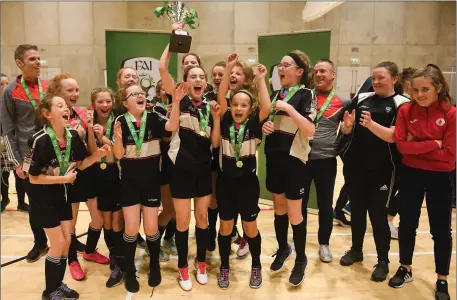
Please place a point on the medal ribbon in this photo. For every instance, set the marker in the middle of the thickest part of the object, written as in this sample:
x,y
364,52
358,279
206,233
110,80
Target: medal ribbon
x,y
324,106
237,143
29,94
109,125
203,120
63,164
291,93
138,139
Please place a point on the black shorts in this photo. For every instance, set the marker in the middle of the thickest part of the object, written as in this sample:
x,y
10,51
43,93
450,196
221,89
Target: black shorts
x,y
146,194
85,185
285,175
186,185
49,205
109,195
166,170
238,196
215,160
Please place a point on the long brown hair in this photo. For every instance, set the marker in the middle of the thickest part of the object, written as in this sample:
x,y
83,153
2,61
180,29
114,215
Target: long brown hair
x,y
436,77
45,105
94,93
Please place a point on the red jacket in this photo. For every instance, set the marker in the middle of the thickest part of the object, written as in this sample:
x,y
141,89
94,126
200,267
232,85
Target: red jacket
x,y
426,125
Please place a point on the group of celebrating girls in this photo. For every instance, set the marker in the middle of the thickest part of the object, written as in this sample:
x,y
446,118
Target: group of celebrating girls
x,y
126,158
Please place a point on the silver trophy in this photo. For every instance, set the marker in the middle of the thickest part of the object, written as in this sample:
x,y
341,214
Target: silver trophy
x,y
177,11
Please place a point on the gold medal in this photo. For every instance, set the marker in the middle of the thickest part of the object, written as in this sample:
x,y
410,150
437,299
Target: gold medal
x,y
2,145
103,166
138,152
239,164
317,125
202,133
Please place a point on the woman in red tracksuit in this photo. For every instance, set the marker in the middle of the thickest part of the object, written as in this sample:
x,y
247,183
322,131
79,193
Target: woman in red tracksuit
x,y
425,136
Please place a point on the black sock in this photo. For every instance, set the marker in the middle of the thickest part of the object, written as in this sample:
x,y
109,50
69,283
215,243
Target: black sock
x,y
63,267
161,231
72,255
52,273
108,235
170,230
235,229
212,220
255,248
93,235
118,241
202,243
182,245
224,242
281,228
300,240
129,252
153,243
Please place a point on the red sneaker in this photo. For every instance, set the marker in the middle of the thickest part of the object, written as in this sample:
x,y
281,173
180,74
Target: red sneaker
x,y
96,257
76,271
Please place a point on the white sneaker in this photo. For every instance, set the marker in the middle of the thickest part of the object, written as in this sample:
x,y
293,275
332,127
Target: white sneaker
x,y
243,249
202,276
184,279
393,231
324,253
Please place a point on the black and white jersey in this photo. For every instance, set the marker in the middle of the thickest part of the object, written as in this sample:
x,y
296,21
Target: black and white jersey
x,y
365,150
251,142
41,158
145,168
188,149
287,138
112,169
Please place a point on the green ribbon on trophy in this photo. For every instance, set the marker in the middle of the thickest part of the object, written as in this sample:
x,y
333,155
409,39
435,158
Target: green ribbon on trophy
x,y
177,11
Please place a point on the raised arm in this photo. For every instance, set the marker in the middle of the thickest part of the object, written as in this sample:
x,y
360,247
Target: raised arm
x,y
168,83
264,97
179,93
225,82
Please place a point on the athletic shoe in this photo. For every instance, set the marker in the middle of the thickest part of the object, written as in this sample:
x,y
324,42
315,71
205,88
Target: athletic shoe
x,y
255,281
96,257
163,256
116,277
56,295
401,277
155,277
297,276
340,218
184,279
350,257
68,293
223,281
243,249
169,245
347,209
441,290
324,254
131,282
24,207
202,275
141,243
380,272
76,271
36,253
280,259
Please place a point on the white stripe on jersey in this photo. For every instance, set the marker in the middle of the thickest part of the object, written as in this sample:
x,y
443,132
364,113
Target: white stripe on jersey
x,y
248,148
148,149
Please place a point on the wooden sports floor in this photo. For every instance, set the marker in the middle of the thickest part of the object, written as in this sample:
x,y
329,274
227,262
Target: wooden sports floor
x,y
25,281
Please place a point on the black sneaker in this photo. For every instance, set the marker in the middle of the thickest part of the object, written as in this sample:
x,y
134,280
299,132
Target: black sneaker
x,y
223,281
281,258
441,290
23,207
350,257
116,277
80,247
68,293
297,276
380,272
56,295
36,253
255,281
340,218
131,282
140,242
3,207
4,204
155,277
401,277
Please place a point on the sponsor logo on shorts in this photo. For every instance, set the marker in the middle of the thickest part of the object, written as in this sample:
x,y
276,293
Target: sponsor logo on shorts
x,y
388,109
153,200
302,191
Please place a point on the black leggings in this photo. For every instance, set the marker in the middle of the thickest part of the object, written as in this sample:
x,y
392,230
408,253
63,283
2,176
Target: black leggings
x,y
438,189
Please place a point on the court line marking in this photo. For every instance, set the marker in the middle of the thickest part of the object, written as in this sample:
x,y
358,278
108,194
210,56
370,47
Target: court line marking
x,y
263,234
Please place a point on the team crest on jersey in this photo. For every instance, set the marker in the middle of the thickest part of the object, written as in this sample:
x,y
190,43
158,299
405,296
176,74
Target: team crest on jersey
x,y
440,122
388,109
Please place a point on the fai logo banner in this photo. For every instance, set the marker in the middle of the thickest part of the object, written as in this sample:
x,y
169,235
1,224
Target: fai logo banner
x,y
148,72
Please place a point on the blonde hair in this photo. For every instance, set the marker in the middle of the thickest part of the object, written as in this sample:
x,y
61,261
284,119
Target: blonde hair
x,y
250,83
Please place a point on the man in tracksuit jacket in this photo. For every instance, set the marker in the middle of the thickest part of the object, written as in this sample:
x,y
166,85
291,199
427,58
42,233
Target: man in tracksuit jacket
x,y
17,110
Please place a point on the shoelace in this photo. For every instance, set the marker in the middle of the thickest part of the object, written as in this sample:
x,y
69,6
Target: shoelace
x,y
116,272
224,274
56,295
201,267
184,273
65,288
256,273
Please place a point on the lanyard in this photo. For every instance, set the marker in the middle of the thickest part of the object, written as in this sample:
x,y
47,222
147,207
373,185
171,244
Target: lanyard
x,y
63,164
290,94
203,120
324,106
237,143
29,94
109,125
138,139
